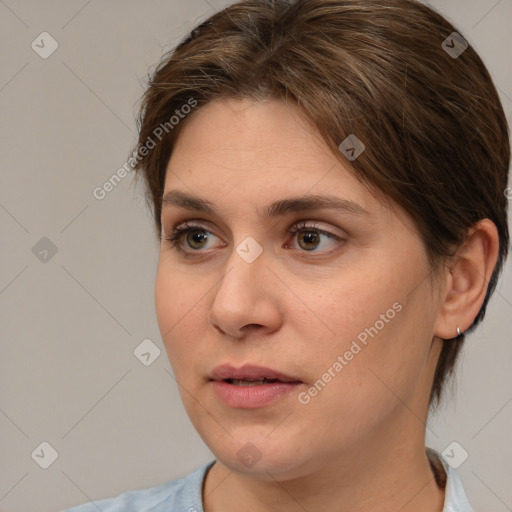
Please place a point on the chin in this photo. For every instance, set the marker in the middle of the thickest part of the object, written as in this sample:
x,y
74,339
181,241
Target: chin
x,y
267,468
259,456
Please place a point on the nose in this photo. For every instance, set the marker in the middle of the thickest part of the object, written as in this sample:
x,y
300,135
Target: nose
x,y
245,300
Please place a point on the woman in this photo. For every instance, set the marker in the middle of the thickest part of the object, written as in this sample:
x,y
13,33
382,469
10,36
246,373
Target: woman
x,y
328,181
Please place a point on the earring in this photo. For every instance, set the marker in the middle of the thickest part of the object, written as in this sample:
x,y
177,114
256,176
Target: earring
x,y
459,333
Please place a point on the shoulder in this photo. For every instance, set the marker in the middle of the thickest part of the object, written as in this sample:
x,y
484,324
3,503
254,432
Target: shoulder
x,y
182,495
455,499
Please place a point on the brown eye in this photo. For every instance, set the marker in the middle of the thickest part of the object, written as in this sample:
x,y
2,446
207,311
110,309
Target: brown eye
x,y
196,238
311,240
189,238
311,237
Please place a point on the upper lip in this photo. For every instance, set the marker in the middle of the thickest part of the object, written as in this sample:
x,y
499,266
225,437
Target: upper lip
x,y
227,371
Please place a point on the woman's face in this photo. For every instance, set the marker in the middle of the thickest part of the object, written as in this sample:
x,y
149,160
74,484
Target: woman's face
x,y
331,297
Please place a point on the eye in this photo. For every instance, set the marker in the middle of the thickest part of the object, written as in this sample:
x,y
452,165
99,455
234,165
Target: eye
x,y
193,238
310,237
190,238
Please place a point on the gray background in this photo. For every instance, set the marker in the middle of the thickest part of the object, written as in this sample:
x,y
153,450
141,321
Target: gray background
x,y
70,324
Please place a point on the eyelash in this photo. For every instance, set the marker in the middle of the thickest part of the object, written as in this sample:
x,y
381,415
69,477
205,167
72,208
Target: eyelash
x,y
175,236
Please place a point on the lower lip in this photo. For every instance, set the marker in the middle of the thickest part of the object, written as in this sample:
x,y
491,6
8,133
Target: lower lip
x,y
252,397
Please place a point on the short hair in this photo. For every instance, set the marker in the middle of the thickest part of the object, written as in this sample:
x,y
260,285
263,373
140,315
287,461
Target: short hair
x,y
390,72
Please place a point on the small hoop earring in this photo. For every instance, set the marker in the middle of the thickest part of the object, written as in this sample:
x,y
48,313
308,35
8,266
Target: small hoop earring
x,y
459,333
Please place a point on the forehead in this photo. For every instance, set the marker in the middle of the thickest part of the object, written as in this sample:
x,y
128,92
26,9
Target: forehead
x,y
247,155
243,143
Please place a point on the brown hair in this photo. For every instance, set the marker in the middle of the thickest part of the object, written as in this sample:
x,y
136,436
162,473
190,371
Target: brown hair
x,y
436,136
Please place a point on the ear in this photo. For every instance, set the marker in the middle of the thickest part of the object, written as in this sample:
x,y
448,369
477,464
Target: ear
x,y
467,279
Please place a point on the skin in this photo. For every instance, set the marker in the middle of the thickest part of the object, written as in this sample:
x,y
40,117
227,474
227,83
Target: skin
x,y
359,443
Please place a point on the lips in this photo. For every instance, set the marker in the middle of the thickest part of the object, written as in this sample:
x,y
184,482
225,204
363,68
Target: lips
x,y
250,373
251,387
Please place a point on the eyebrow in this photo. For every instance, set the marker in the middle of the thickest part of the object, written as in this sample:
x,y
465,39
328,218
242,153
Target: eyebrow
x,y
278,208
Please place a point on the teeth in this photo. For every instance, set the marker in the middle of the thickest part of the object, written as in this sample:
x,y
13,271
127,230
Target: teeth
x,y
250,382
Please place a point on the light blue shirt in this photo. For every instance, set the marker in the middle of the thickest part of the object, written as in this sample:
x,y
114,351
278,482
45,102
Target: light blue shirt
x,y
184,495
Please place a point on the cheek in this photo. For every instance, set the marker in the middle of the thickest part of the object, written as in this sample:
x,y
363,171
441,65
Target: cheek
x,y
178,309
350,304
371,319
169,301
